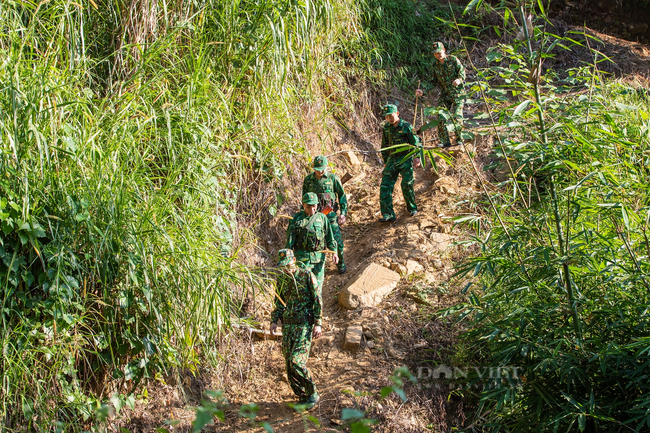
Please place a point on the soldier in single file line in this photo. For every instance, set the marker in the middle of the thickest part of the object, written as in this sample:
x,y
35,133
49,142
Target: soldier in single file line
x,y
308,234
331,200
448,74
397,161
298,305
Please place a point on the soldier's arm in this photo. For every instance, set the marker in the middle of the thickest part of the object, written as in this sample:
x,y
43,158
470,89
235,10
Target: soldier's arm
x,y
384,143
343,200
413,139
291,236
278,308
318,301
329,235
461,69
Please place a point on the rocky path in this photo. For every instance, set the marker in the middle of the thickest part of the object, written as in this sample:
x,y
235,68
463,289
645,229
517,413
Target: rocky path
x,y
398,276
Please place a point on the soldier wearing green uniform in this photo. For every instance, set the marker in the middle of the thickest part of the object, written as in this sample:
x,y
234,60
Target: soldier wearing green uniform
x,y
308,234
448,74
331,198
397,132
298,305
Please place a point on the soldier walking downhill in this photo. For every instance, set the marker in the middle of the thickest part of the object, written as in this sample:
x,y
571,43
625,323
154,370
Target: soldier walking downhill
x,y
298,305
397,132
448,74
331,199
309,233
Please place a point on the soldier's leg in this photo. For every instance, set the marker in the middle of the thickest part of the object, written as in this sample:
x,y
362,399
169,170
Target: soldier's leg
x,y
443,134
388,180
319,272
296,342
458,117
408,180
336,231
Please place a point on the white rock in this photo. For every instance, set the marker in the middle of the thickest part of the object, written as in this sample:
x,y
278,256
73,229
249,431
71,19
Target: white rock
x,y
413,267
441,240
352,157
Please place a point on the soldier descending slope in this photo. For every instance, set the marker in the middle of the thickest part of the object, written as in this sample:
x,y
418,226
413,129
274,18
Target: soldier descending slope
x,y
298,305
309,233
331,197
448,74
397,132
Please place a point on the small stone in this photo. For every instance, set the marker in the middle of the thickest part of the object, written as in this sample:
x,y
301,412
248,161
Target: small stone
x,y
413,267
400,269
370,344
368,335
353,337
440,240
352,157
437,263
319,344
402,255
447,185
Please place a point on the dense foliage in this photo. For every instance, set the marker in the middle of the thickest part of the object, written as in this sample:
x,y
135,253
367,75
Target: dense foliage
x,y
131,134
563,291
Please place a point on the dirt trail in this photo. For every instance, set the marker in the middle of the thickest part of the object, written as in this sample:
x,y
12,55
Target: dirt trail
x,y
403,326
405,332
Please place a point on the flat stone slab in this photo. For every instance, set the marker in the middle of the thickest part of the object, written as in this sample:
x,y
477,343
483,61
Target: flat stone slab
x,y
353,337
369,287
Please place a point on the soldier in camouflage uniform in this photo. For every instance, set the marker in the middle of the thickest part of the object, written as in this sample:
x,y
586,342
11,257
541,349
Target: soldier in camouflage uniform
x,y
298,305
309,232
448,74
331,198
397,131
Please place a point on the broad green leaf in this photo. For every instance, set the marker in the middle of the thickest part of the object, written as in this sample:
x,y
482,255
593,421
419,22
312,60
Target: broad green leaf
x,y
472,4
350,414
521,108
203,418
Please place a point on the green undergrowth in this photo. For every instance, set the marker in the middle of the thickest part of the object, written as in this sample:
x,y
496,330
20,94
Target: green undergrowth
x,y
130,139
561,286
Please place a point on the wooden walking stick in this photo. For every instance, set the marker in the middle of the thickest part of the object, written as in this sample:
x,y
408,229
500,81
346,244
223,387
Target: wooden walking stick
x,y
415,116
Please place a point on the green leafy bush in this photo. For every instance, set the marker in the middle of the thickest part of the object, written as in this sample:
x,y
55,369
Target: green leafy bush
x,y
563,291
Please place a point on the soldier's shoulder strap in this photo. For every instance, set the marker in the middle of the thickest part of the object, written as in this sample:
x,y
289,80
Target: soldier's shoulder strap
x,y
312,220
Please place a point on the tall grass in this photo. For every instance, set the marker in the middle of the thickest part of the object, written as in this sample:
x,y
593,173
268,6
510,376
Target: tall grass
x,y
563,291
135,139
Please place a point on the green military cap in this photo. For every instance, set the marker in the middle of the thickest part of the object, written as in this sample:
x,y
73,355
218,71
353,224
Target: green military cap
x,y
310,198
389,109
286,257
438,47
320,163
